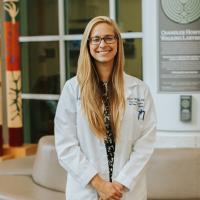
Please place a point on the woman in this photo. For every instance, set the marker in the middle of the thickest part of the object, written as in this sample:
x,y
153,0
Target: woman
x,y
104,123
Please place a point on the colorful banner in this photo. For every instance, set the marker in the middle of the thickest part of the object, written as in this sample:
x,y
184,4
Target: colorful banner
x,y
13,73
1,121
1,103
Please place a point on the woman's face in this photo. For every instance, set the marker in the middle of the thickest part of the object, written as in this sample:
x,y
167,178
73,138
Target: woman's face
x,y
103,43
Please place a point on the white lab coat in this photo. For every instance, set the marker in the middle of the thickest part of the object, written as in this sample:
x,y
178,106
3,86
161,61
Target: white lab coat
x,y
83,155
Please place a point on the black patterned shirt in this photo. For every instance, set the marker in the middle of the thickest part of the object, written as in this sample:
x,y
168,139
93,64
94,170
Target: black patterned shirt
x,y
109,141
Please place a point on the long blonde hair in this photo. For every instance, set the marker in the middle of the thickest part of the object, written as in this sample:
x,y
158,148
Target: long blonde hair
x,y
91,100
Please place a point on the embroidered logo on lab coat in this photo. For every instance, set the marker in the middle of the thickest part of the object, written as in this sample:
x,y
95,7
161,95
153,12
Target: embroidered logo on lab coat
x,y
139,102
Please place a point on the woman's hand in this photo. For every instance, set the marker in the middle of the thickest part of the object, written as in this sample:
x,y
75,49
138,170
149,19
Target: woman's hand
x,y
107,190
118,185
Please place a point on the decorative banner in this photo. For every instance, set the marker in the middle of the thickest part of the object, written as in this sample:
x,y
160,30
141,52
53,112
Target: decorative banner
x,y
1,112
179,44
13,73
1,102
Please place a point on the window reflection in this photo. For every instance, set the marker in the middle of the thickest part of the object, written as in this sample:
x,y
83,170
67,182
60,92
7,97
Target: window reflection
x,y
40,67
129,15
133,57
72,53
79,13
38,118
39,17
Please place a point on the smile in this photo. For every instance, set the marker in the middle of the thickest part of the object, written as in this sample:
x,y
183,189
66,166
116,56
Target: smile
x,y
104,51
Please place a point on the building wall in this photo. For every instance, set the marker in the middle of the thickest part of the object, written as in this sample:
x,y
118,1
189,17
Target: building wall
x,y
171,131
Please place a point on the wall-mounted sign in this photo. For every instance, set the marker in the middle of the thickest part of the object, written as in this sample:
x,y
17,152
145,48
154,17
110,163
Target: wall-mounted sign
x,y
179,46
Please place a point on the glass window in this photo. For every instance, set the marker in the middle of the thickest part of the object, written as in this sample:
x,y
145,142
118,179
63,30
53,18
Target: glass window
x,y
41,61
133,57
38,17
72,53
79,13
128,15
38,119
40,67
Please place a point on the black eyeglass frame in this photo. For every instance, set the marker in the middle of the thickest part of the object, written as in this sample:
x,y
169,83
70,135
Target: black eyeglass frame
x,y
102,38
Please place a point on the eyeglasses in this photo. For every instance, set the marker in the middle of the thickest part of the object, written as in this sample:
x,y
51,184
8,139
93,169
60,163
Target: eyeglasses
x,y
108,39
